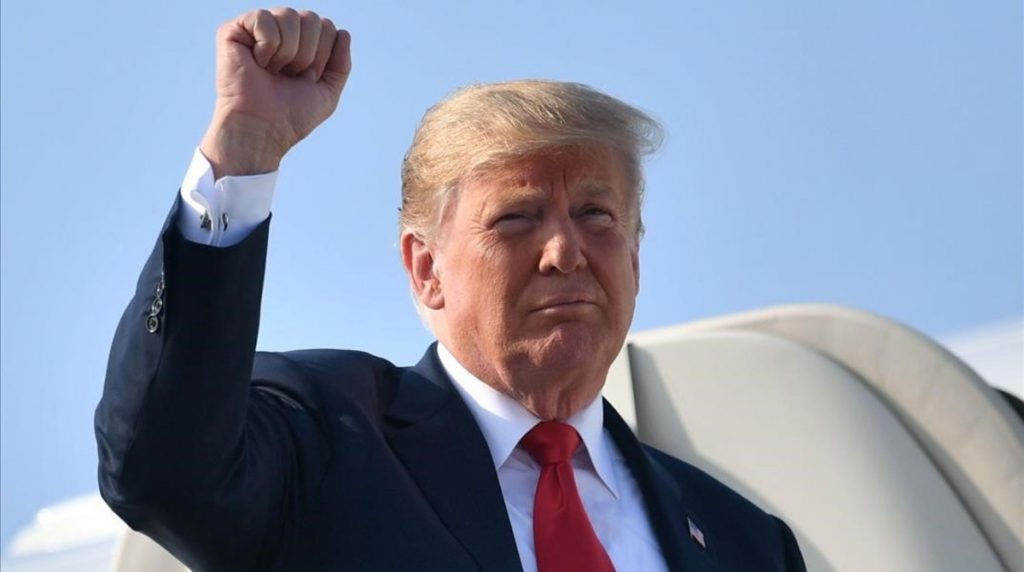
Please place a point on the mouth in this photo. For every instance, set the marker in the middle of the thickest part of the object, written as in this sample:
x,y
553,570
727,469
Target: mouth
x,y
564,304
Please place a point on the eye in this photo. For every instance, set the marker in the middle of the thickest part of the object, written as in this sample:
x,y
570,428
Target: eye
x,y
511,217
513,222
596,215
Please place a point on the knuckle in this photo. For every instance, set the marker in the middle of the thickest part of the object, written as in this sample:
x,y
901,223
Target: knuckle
x,y
265,26
288,13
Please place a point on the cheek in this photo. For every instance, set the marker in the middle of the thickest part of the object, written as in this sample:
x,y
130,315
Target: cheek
x,y
619,273
484,284
504,289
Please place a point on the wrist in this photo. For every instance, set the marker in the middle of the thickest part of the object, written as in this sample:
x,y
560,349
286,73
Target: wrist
x,y
237,146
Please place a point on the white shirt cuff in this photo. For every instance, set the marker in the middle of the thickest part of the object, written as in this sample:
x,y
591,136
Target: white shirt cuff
x,y
223,212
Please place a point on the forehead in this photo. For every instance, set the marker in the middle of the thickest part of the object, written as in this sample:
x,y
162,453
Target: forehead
x,y
579,170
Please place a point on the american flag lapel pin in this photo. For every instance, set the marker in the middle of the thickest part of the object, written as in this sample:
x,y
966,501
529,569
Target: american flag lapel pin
x,y
696,533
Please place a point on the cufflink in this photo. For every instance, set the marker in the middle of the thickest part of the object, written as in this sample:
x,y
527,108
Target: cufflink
x,y
204,221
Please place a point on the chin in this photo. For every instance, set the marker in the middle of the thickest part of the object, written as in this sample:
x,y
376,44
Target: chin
x,y
570,347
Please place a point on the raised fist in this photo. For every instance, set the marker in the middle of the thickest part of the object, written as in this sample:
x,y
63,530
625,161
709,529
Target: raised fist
x,y
280,73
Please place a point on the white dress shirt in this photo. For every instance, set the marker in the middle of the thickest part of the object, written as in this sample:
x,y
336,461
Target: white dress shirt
x,y
607,488
223,212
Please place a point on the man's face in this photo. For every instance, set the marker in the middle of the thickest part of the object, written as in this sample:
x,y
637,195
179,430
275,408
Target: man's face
x,y
536,270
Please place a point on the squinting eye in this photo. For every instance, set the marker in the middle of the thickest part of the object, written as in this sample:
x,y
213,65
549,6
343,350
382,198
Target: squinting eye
x,y
597,214
512,222
512,218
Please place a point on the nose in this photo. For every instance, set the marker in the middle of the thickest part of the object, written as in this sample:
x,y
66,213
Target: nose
x,y
562,249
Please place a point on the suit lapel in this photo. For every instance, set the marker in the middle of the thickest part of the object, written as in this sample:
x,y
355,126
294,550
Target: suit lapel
x,y
434,434
663,500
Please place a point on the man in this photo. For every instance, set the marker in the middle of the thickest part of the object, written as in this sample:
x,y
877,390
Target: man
x,y
520,229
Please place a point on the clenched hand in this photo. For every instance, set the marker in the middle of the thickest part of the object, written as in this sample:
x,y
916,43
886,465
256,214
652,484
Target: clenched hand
x,y
280,73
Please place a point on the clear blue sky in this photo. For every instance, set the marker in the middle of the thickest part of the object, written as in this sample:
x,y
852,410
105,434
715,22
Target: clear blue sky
x,y
865,153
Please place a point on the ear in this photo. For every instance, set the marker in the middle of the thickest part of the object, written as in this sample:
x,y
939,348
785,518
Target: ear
x,y
421,266
635,255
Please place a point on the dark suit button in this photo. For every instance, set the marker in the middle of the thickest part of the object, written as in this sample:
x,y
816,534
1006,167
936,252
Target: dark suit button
x,y
152,324
158,304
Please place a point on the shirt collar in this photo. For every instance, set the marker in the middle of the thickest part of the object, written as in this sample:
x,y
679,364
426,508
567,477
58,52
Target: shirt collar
x,y
504,421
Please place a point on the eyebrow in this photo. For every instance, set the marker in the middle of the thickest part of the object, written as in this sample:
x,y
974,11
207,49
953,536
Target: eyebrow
x,y
521,193
595,189
515,197
589,189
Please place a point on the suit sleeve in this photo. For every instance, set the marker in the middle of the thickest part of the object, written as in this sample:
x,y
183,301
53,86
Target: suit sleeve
x,y
190,452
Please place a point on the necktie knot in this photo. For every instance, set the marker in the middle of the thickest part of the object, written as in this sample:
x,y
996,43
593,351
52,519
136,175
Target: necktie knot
x,y
551,442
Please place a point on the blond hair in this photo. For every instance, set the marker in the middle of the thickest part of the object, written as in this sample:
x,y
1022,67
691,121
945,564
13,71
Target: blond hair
x,y
484,126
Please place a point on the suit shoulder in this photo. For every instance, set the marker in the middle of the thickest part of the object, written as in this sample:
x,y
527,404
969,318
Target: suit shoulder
x,y
712,491
322,363
319,376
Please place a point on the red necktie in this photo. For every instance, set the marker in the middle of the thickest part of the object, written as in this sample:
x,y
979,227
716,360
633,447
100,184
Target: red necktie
x,y
563,539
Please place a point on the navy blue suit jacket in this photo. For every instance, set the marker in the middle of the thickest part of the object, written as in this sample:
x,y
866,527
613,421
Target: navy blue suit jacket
x,y
234,459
